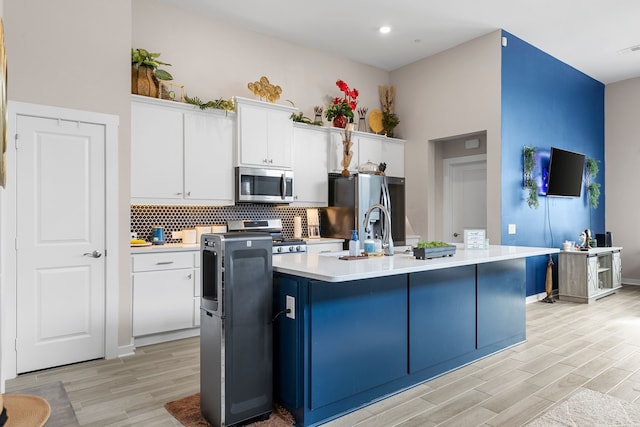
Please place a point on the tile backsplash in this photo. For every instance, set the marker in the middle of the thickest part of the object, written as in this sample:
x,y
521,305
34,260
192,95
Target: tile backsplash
x,y
176,218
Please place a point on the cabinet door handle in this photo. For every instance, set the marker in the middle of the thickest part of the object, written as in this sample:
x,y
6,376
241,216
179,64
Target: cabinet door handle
x,y
271,161
188,193
189,276
178,194
164,262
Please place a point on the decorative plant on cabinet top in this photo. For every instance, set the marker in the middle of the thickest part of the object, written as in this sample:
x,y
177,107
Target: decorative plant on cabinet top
x,y
529,158
389,118
145,72
593,188
340,111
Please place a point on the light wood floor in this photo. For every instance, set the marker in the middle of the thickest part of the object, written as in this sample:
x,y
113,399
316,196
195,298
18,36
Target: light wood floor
x,y
595,346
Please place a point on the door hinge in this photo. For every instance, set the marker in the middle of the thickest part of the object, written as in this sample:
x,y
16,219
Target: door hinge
x,y
16,140
15,344
15,244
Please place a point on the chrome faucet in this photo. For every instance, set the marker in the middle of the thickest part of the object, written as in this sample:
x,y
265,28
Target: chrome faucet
x,y
387,240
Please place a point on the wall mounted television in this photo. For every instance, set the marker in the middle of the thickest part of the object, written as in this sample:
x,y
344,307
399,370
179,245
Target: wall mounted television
x,y
566,169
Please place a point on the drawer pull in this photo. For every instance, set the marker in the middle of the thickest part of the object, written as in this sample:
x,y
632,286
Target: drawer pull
x,y
164,262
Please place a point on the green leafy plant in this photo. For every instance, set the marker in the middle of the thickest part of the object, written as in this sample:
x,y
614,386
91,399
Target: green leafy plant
x,y
142,57
532,197
593,188
529,160
433,244
389,122
301,118
220,103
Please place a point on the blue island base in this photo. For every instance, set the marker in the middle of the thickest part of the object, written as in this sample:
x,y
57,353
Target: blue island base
x,y
354,343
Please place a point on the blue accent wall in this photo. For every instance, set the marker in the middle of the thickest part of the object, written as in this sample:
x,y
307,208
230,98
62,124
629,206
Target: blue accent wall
x,y
547,103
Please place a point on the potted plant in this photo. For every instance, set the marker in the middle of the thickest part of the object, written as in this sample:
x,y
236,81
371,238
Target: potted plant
x,y
145,72
389,118
427,250
389,122
340,111
530,185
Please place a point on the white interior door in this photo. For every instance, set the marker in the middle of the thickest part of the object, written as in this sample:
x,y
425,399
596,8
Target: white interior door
x,y
60,245
465,196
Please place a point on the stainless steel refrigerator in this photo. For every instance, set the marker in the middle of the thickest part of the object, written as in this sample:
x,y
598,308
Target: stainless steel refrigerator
x,y
349,199
236,348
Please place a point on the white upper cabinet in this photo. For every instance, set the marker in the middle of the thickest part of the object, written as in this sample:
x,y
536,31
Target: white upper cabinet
x,y
393,156
208,157
265,134
310,165
336,151
368,147
156,152
180,154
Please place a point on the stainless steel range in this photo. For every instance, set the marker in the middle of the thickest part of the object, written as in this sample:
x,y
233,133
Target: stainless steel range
x,y
281,245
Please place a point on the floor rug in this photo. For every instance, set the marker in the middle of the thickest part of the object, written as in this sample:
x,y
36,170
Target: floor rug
x,y
62,413
187,411
588,408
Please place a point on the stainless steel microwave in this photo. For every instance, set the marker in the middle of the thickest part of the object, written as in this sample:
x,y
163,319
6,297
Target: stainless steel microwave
x,y
258,185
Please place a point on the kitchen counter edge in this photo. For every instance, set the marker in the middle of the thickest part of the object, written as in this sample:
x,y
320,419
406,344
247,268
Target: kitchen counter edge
x,y
329,268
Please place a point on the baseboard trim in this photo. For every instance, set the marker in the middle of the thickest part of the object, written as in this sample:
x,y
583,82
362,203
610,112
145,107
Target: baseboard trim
x,y
126,350
166,336
539,297
634,282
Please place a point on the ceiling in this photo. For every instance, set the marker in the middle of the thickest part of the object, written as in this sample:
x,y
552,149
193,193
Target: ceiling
x,y
586,34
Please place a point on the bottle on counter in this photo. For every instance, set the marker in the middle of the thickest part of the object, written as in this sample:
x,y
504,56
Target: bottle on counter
x,y
369,245
354,244
377,242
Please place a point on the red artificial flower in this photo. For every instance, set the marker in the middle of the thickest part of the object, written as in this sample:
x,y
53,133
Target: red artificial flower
x,y
345,105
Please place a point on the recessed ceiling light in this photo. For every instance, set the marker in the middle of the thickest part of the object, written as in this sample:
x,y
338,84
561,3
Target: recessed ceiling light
x,y
385,29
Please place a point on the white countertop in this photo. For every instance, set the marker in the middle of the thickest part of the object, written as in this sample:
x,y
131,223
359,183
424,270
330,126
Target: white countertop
x,y
327,267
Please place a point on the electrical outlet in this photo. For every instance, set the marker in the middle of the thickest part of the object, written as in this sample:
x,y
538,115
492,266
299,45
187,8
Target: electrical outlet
x,y
291,307
134,235
512,229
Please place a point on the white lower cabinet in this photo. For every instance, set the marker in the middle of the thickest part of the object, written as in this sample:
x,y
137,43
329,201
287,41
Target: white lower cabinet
x,y
318,246
165,286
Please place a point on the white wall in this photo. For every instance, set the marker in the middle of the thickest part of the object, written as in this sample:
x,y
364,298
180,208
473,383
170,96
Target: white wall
x,y
75,54
456,92
214,59
622,174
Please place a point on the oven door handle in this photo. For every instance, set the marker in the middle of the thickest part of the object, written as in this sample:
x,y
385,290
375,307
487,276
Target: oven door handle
x,y
283,186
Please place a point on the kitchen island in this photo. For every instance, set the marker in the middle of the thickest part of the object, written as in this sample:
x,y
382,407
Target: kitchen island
x,y
365,329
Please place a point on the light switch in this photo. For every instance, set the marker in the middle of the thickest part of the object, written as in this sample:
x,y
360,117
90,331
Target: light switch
x,y
512,229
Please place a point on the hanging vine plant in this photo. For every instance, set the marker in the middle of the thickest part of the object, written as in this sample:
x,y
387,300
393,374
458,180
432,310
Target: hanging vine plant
x,y
529,160
593,188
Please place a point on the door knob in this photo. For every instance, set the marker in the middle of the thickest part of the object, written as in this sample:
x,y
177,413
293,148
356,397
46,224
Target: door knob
x,y
94,254
456,234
